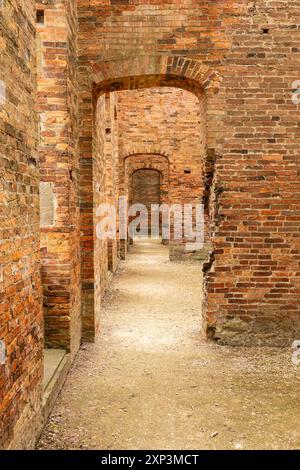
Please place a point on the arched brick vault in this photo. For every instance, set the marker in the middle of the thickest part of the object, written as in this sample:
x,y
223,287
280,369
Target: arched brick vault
x,y
157,70
130,151
147,160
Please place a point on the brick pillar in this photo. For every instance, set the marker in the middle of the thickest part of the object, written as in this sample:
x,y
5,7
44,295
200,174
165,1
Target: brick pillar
x,y
98,185
57,107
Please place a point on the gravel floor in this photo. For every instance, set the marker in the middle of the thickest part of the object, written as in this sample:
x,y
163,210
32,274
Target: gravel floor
x,y
151,382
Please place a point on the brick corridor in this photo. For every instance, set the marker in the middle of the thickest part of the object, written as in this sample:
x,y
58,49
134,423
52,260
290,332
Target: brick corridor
x,y
151,382
205,92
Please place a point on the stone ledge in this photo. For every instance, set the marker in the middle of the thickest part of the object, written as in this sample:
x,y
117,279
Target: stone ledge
x,y
54,386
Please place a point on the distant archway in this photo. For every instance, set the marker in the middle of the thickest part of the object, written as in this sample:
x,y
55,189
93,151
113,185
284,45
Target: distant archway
x,y
133,163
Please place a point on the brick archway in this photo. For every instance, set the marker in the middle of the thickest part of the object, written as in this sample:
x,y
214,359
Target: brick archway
x,y
147,161
129,73
143,160
131,151
152,71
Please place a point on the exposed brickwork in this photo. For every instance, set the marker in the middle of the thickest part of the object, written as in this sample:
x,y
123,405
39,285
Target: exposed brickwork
x,y
235,61
242,42
99,186
58,113
112,175
169,122
21,322
156,162
253,286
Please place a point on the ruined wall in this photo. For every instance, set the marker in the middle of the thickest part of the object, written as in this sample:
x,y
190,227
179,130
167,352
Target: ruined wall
x,y
253,286
244,56
21,319
58,149
253,281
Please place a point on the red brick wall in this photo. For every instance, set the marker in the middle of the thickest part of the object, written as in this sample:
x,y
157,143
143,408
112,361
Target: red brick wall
x,y
253,286
58,112
21,319
241,48
239,58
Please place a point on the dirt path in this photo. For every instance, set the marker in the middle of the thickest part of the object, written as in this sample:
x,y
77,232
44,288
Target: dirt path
x,y
150,382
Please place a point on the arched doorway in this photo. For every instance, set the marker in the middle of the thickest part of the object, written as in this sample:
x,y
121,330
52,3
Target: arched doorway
x,y
110,77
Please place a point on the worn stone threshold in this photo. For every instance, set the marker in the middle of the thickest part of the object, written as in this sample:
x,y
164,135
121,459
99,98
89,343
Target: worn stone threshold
x,y
56,367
